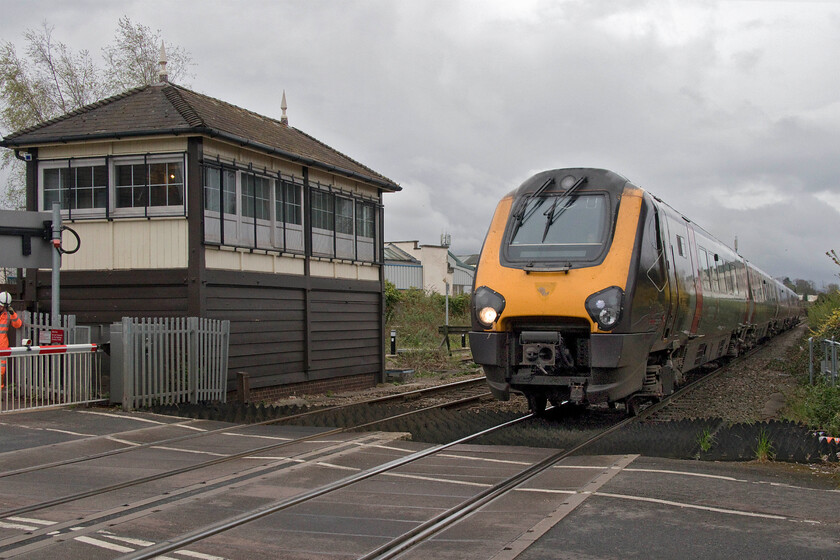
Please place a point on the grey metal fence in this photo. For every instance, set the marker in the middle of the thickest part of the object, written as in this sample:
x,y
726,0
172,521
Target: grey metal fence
x,y
828,363
168,361
44,376
38,327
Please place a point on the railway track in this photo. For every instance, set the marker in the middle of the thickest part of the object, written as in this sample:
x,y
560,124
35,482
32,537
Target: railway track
x,y
39,538
686,398
418,534
409,540
469,387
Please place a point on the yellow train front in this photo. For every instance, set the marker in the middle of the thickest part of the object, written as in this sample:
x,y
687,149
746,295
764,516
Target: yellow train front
x,y
570,294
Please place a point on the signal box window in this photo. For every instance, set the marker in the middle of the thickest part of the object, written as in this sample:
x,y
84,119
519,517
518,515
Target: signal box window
x,y
149,184
82,187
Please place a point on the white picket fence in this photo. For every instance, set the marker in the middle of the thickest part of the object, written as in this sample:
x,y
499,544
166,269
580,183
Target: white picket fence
x,y
168,361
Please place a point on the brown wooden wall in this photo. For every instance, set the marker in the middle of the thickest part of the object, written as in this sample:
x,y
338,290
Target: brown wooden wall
x,y
291,329
284,329
106,296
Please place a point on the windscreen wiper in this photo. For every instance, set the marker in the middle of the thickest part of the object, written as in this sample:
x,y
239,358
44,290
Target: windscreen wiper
x,y
520,215
551,217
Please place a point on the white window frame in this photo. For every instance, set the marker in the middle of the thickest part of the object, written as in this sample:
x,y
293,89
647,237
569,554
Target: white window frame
x,y
144,211
65,164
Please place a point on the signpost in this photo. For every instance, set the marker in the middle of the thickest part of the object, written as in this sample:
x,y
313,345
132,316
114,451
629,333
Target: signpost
x,y
33,240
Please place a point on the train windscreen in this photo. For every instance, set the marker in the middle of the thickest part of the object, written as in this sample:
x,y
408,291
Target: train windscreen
x,y
559,227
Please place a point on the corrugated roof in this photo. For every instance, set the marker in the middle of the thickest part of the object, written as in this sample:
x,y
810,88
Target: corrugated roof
x,y
395,254
166,109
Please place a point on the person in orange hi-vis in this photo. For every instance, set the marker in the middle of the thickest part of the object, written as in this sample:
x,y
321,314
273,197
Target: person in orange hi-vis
x,y
7,317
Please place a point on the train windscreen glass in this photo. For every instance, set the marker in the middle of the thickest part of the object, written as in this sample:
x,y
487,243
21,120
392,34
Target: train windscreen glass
x,y
559,227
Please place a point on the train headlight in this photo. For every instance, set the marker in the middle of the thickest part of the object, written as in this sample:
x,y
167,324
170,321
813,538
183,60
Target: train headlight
x,y
488,305
605,307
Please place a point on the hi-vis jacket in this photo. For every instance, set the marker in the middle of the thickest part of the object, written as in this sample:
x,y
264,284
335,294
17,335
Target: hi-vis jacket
x,y
7,319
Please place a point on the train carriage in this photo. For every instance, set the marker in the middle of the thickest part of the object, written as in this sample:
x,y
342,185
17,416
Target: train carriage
x,y
589,289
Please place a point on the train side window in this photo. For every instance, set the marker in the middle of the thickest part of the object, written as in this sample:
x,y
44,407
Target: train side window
x,y
713,270
725,279
705,274
681,245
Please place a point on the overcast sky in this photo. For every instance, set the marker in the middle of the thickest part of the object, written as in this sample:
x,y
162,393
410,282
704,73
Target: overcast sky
x,y
728,110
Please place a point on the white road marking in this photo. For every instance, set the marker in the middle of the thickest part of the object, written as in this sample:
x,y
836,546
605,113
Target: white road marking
x,y
258,437
32,521
693,506
433,479
103,544
199,555
547,491
190,451
388,447
269,458
684,473
123,441
4,525
69,432
484,459
339,467
111,415
187,427
144,543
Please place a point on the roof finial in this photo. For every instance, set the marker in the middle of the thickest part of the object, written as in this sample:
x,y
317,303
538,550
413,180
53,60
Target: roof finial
x,y
163,77
284,119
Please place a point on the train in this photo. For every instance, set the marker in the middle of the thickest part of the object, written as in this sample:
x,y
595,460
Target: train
x,y
589,289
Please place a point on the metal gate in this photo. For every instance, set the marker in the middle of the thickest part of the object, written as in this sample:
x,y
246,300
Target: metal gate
x,y
830,362
43,376
169,360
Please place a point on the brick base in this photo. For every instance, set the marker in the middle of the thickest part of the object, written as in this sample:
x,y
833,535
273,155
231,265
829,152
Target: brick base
x,y
336,384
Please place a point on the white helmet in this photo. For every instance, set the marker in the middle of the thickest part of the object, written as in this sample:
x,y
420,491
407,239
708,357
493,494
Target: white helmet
x,y
5,298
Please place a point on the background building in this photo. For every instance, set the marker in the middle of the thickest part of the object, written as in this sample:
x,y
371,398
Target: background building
x,y
429,267
190,206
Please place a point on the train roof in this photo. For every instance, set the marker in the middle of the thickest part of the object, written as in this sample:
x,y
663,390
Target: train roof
x,y
552,181
603,178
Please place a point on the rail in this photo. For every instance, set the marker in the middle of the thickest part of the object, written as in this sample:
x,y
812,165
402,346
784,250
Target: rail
x,y
829,362
44,376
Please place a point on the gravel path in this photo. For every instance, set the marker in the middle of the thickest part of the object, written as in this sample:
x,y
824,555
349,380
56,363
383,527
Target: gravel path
x,y
754,391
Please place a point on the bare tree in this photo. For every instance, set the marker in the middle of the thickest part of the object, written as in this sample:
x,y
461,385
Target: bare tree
x,y
132,59
52,80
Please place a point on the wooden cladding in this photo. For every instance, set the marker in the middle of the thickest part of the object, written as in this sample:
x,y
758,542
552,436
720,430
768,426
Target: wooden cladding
x,y
283,329
288,329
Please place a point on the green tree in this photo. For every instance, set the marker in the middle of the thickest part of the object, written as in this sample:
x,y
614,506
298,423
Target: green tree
x,y
804,287
50,80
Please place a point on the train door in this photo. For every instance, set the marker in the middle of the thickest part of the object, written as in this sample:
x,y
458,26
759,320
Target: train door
x,y
683,275
666,251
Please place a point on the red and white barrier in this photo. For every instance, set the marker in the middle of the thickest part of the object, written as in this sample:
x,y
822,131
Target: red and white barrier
x,y
43,350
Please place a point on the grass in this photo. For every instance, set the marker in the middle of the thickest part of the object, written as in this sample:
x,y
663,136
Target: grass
x,y
764,450
818,405
416,315
705,439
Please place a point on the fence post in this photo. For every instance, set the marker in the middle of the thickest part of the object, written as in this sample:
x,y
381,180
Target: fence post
x,y
224,358
192,358
128,363
811,360
243,387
